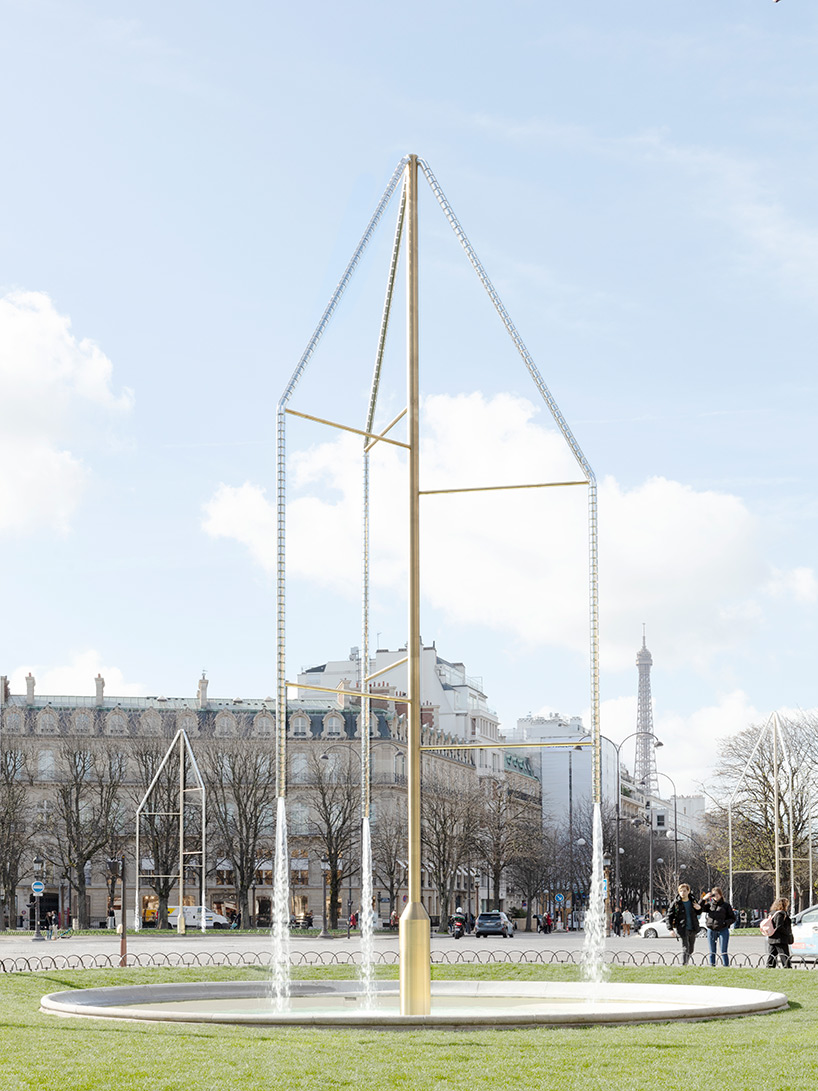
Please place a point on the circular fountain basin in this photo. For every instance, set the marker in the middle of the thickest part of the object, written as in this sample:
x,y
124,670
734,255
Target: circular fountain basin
x,y
477,1004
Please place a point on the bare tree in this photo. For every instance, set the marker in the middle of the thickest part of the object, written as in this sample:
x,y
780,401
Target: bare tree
x,y
334,798
15,827
240,782
389,850
531,871
750,775
500,831
87,809
449,819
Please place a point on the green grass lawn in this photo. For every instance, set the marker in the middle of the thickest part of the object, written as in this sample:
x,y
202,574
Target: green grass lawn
x,y
775,1052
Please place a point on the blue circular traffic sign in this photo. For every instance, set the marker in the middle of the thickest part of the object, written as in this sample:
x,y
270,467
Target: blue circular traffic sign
x,y
559,897
37,887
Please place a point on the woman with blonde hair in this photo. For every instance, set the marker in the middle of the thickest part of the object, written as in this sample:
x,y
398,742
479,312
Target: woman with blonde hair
x,y
779,940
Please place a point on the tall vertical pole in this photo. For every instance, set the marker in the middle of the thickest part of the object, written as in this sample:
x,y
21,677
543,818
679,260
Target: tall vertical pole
x,y
180,920
776,806
811,896
617,885
123,939
415,940
650,868
792,844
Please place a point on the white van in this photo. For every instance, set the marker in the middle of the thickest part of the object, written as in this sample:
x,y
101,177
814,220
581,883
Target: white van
x,y
193,917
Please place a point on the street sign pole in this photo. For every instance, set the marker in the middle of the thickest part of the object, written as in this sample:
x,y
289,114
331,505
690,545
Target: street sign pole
x,y
37,889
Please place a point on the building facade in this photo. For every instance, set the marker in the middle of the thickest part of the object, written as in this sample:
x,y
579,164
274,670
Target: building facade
x,y
323,734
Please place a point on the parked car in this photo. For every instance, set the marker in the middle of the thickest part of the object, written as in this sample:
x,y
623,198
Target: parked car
x,y
495,923
805,934
660,930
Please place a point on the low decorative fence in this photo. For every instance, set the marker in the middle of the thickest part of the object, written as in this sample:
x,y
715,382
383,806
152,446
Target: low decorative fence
x,y
68,961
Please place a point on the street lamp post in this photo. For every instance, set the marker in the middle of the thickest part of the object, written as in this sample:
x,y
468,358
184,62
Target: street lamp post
x,y
324,934
580,843
38,879
349,905
618,747
117,870
675,825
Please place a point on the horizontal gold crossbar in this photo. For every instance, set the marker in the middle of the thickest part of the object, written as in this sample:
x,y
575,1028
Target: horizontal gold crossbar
x,y
502,488
347,428
349,693
385,670
510,746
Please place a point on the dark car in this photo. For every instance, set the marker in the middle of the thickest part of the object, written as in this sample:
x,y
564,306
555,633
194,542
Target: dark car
x,y
495,923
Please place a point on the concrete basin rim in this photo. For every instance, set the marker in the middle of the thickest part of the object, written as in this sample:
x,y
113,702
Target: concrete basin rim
x,y
647,1003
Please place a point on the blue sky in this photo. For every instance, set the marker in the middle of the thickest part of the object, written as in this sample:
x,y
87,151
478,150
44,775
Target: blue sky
x,y
183,185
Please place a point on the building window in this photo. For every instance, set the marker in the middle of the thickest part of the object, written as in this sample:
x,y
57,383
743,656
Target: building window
x,y
117,724
298,769
189,722
300,725
225,725
13,721
47,723
333,726
45,765
263,725
299,871
298,819
224,873
83,723
152,724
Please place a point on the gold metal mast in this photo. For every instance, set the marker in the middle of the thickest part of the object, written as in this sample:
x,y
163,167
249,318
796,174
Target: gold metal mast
x,y
415,938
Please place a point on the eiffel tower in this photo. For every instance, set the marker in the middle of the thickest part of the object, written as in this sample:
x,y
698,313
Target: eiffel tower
x,y
645,762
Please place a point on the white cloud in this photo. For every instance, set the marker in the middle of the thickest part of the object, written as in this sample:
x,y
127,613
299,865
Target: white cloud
x,y
75,679
799,584
245,514
50,382
690,741
516,562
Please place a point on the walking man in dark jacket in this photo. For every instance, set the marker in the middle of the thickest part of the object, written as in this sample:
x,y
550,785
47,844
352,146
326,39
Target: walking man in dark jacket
x,y
683,918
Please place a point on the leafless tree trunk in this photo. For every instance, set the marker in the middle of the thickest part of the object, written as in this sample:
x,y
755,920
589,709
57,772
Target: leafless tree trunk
x,y
532,869
335,802
389,851
15,827
87,800
500,832
240,783
450,813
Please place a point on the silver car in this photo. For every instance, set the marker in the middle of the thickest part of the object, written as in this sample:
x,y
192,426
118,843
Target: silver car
x,y
494,923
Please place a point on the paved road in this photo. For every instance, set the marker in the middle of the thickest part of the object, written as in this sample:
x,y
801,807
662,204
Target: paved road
x,y
149,942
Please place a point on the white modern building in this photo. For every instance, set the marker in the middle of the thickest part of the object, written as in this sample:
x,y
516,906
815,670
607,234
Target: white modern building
x,y
565,772
459,703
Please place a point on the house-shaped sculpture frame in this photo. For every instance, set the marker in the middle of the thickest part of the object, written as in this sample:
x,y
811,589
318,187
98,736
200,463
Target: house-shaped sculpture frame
x,y
180,742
